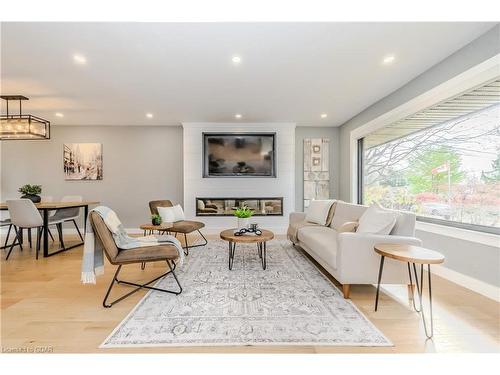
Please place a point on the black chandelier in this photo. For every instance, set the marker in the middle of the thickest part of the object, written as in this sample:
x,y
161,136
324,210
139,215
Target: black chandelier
x,y
22,127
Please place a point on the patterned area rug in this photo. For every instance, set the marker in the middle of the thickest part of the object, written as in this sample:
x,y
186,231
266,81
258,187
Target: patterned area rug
x,y
290,303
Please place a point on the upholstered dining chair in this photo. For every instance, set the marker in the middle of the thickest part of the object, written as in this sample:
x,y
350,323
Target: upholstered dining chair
x,y
4,223
120,257
184,227
24,215
63,215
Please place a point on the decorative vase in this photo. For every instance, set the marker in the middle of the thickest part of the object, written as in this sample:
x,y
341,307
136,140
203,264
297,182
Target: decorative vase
x,y
243,222
32,197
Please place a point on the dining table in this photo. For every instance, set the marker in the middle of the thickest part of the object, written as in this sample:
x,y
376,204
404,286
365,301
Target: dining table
x,y
45,208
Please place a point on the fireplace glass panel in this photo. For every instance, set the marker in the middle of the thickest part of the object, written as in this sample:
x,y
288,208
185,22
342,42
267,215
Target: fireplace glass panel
x,y
226,206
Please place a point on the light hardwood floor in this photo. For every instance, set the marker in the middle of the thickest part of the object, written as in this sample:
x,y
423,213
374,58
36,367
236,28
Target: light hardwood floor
x,y
43,304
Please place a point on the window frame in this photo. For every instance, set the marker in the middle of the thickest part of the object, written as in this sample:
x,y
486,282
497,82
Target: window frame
x,y
426,219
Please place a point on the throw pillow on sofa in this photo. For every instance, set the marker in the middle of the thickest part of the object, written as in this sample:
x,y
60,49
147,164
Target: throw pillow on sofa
x,y
349,226
319,210
376,220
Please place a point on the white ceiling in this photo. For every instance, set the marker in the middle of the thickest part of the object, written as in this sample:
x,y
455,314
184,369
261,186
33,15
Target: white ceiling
x,y
182,72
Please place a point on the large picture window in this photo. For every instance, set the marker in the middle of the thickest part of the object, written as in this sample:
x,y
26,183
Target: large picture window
x,y
447,173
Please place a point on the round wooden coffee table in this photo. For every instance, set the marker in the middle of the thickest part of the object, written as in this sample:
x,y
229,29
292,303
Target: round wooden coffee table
x,y
261,241
414,255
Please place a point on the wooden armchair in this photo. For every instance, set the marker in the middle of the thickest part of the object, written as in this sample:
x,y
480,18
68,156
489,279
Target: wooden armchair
x,y
184,226
120,257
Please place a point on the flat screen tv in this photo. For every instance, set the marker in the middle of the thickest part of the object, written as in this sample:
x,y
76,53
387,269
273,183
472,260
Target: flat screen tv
x,y
239,155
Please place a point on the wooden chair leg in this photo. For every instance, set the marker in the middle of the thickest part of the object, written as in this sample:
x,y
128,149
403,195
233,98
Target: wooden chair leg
x,y
346,289
29,238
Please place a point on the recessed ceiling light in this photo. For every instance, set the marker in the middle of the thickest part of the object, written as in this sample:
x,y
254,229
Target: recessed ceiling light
x,y
238,116
79,59
59,114
324,115
149,115
236,59
389,59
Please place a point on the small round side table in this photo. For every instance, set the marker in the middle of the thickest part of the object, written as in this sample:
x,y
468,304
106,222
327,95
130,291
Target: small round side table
x,y
261,241
150,228
414,255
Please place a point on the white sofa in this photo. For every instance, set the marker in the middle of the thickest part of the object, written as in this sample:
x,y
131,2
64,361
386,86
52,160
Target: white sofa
x,y
350,257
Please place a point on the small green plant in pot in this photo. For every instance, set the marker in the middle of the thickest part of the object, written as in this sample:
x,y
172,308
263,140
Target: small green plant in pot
x,y
155,219
243,214
31,192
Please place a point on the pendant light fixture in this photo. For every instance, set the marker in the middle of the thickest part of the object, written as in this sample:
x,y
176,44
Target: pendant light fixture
x,y
21,126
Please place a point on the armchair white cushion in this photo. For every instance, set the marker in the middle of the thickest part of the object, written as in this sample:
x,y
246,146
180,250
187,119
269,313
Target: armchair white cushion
x,y
171,214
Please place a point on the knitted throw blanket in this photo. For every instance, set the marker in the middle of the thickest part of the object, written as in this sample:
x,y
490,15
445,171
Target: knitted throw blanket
x,y
93,257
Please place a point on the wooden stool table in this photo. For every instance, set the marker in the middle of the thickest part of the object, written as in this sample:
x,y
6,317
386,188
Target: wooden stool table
x,y
414,255
261,241
150,228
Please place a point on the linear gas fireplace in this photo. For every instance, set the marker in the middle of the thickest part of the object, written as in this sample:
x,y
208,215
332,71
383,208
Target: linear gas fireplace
x,y
226,206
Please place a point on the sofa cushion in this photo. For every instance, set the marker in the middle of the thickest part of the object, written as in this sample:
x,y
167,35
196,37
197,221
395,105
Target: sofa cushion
x,y
318,211
377,220
349,226
293,229
345,212
405,224
329,218
322,241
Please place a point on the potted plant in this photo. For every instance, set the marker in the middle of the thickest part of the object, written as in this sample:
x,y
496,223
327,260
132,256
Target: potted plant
x,y
31,192
243,214
155,219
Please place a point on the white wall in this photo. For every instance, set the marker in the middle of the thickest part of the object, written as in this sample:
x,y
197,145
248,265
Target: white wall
x,y
140,163
281,186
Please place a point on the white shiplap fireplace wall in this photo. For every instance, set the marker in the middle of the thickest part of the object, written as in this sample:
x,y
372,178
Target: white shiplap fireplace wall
x,y
281,186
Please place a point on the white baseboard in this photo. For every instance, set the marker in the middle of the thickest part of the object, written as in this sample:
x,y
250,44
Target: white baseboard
x,y
467,282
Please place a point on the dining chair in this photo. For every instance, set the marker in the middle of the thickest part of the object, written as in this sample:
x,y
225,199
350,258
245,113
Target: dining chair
x,y
24,215
63,215
49,199
4,223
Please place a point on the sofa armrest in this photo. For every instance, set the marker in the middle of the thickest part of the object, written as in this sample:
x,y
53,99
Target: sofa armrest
x,y
358,263
296,217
